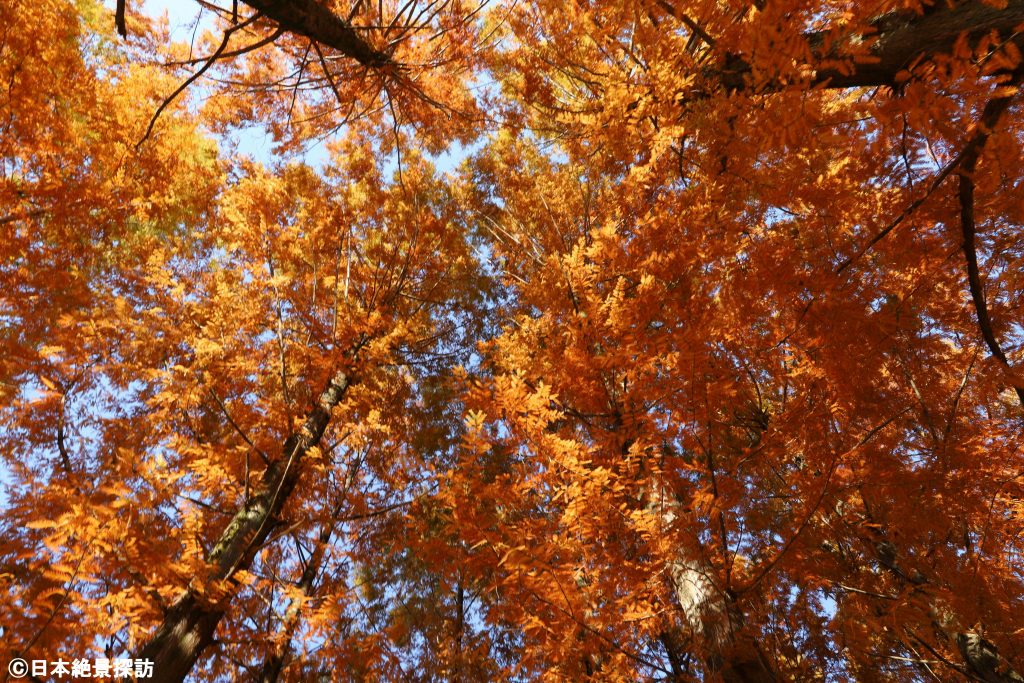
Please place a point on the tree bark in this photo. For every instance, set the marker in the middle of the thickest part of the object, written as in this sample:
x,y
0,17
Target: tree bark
x,y
711,614
900,40
315,21
983,660
190,624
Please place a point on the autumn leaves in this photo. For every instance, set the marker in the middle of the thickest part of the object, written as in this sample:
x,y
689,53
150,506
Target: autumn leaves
x,y
645,389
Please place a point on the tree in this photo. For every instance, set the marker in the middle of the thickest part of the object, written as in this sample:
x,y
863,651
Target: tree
x,y
705,364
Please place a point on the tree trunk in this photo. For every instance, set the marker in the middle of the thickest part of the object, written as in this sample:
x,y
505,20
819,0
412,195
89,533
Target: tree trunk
x,y
981,660
711,614
315,21
716,619
189,626
984,661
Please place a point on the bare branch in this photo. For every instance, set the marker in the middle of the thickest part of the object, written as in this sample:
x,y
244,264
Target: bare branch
x,y
989,121
194,77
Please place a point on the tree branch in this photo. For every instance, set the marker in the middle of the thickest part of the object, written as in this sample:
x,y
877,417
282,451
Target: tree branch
x,y
315,21
989,121
902,40
897,41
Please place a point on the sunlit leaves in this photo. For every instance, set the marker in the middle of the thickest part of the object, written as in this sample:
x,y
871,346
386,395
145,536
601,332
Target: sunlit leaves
x,y
676,375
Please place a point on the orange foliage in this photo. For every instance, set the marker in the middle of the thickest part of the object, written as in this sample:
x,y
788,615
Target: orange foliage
x,y
554,341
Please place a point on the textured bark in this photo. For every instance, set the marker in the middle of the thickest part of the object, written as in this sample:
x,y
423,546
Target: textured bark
x,y
712,615
186,631
190,624
983,661
900,40
313,20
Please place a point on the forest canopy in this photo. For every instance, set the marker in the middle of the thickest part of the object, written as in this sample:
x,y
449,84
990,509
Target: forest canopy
x,y
661,340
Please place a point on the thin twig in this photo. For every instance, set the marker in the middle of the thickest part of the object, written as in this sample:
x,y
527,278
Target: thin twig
x,y
241,433
234,53
194,77
946,171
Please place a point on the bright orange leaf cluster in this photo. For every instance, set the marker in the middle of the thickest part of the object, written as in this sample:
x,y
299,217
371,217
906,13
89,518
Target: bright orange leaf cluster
x,y
670,340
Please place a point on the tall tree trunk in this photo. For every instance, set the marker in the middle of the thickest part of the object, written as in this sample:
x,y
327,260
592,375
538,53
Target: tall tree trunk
x,y
980,658
983,660
189,625
711,614
460,628
729,652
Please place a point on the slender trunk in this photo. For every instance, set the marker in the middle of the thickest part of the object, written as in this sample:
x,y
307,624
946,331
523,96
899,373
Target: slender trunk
x,y
981,660
460,625
715,618
189,626
669,642
711,614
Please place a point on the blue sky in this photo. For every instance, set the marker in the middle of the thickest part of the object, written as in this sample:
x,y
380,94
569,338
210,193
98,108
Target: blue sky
x,y
182,18
187,18
253,141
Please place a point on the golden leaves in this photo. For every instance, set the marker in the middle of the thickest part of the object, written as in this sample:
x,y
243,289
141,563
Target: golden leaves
x,y
604,384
